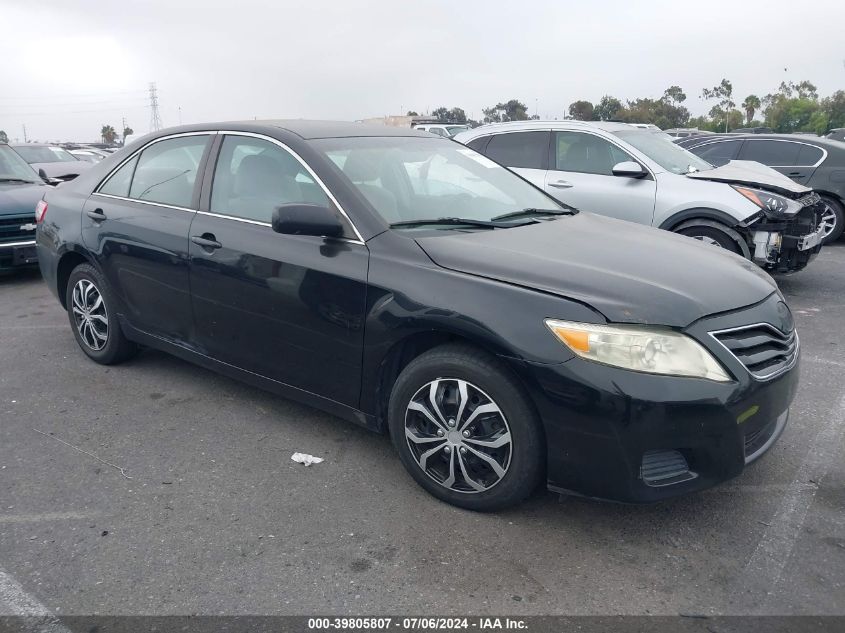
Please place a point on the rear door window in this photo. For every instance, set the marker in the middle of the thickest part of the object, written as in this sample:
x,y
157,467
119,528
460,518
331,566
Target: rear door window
x,y
771,153
809,155
718,154
167,171
118,183
520,149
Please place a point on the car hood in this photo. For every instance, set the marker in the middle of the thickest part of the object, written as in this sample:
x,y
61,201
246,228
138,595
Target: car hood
x,y
628,272
749,172
19,199
62,168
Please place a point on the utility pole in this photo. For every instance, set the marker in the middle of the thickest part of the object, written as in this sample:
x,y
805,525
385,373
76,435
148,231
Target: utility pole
x,y
155,117
24,133
123,129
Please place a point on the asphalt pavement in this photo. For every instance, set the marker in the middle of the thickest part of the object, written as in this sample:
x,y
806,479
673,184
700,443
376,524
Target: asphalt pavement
x,y
172,491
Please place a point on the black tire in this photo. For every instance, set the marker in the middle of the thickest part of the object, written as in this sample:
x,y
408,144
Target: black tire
x,y
116,347
711,234
485,376
836,207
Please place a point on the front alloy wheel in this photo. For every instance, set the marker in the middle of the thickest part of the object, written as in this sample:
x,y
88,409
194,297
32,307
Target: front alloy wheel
x,y
465,428
90,314
458,435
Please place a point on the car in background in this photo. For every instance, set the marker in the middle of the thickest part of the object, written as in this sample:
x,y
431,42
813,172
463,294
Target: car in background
x,y
813,161
21,188
752,130
409,284
685,132
88,157
447,130
618,170
836,134
51,161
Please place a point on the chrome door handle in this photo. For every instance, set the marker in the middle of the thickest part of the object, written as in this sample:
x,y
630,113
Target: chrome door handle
x,y
97,215
560,184
207,241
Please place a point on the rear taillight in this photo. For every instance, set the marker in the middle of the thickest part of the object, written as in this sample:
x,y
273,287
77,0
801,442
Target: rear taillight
x,y
40,211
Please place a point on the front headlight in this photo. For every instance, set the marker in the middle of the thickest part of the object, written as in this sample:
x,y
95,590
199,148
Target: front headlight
x,y
770,203
649,350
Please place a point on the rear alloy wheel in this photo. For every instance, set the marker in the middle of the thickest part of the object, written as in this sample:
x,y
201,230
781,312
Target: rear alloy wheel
x,y
465,430
92,316
712,236
833,219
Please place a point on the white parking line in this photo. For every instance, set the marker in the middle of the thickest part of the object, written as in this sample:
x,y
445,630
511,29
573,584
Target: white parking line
x,y
765,567
14,601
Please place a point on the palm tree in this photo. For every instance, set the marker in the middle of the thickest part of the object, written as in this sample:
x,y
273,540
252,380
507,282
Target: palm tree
x,y
108,134
751,105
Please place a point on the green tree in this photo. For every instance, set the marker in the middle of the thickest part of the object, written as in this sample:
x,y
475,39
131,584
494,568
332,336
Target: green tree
x,y
607,108
656,111
412,113
581,111
4,138
127,131
750,105
447,115
674,95
834,107
108,134
513,110
724,94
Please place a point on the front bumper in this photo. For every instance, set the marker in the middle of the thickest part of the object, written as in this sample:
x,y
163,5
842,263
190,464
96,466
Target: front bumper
x,y
18,254
788,245
609,430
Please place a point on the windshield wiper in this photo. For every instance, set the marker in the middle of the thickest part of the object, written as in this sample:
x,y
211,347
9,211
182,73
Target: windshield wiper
x,y
487,224
532,212
32,182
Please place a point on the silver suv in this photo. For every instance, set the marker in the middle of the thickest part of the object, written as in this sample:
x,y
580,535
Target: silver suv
x,y
625,172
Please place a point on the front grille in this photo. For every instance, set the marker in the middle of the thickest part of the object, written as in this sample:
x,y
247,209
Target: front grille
x,y
762,348
10,229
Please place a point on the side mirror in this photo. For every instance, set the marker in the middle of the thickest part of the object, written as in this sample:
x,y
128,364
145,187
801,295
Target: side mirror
x,y
300,218
629,169
43,175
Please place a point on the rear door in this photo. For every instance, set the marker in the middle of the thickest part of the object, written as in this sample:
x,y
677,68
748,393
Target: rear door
x,y
793,159
526,153
582,176
137,224
287,307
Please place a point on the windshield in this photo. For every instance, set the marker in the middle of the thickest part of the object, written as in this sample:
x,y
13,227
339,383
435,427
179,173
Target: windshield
x,y
14,167
411,178
456,129
44,154
664,152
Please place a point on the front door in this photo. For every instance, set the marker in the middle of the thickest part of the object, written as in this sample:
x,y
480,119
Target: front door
x,y
137,225
582,177
287,307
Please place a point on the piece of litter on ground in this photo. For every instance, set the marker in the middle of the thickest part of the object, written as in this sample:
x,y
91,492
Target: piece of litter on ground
x,y
305,458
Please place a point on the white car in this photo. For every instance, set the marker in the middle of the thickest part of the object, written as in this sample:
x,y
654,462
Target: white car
x,y
447,130
631,173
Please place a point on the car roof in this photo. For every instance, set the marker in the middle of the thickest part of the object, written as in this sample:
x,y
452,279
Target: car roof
x,y
607,126
304,128
795,138
35,145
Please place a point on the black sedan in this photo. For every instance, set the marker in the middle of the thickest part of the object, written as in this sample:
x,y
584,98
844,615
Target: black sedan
x,y
818,163
412,285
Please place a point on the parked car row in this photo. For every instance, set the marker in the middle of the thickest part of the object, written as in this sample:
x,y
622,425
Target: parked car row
x,y
419,288
630,173
816,162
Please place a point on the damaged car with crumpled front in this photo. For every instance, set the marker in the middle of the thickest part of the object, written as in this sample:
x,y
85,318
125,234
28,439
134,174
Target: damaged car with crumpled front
x,y
622,171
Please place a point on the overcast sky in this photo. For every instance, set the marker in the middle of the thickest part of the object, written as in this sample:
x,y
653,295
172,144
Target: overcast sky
x,y
70,66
